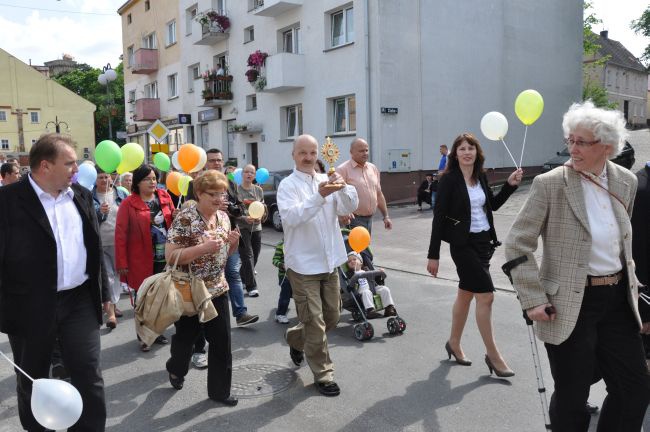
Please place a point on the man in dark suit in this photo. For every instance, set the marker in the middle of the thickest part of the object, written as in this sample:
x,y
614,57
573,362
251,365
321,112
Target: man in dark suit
x,y
51,279
641,234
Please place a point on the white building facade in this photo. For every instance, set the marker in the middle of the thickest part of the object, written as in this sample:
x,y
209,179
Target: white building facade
x,y
407,75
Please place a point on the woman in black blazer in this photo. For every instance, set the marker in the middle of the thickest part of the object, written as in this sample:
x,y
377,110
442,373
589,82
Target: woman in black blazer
x,y
463,218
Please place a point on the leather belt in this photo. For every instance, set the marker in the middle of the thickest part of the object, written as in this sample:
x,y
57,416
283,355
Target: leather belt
x,y
612,279
358,215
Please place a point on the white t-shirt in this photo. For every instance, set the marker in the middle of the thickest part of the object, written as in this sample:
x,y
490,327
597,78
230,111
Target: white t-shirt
x,y
107,228
477,202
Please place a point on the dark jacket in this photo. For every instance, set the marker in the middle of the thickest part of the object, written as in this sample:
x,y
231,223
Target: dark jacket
x,y
28,270
452,211
641,227
119,196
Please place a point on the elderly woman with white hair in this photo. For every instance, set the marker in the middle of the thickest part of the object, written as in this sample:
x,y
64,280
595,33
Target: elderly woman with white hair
x,y
583,296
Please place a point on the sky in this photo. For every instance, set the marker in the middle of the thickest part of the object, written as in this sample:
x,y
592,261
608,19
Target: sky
x,y
90,30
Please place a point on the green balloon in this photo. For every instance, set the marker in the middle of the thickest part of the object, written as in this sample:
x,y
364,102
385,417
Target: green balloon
x,y
231,176
162,162
108,156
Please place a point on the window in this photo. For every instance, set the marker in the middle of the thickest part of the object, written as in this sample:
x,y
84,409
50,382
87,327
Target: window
x,y
193,73
147,5
129,20
172,86
254,4
131,96
35,117
249,34
130,59
345,114
342,23
3,115
190,14
292,121
5,144
251,102
151,90
171,33
220,6
291,40
220,61
149,41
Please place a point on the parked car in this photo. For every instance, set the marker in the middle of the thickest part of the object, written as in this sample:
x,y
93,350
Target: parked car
x,y
625,158
270,188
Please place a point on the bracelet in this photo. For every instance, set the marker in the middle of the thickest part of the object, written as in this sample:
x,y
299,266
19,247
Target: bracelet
x,y
386,217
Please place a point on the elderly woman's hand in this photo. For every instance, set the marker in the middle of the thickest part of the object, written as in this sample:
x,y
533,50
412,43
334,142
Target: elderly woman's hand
x,y
538,313
212,245
515,178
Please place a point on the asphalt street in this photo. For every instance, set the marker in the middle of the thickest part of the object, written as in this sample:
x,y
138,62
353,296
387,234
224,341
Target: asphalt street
x,y
390,383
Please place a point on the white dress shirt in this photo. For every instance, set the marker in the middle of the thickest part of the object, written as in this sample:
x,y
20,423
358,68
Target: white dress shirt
x,y
313,243
67,228
479,221
605,254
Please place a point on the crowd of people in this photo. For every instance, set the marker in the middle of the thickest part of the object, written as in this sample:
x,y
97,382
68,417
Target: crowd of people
x,y
583,294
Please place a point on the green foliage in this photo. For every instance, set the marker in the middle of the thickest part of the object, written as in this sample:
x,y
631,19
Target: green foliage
x,y
642,26
83,81
598,95
590,44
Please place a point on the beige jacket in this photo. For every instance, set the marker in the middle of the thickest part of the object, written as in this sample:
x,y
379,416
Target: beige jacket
x,y
556,210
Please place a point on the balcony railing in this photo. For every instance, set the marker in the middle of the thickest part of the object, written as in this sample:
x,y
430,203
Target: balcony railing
x,y
147,109
274,8
145,61
215,27
217,90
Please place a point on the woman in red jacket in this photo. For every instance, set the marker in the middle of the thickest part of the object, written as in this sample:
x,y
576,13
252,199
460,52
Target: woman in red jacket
x,y
141,231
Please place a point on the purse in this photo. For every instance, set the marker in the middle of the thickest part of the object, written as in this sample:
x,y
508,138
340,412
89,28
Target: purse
x,y
183,282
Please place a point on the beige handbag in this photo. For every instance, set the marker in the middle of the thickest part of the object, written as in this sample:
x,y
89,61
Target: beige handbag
x,y
183,282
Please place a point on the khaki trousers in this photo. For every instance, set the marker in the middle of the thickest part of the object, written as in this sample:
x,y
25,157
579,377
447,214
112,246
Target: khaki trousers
x,y
318,300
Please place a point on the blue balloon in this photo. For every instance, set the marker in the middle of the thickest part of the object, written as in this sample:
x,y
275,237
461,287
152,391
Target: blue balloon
x,y
262,176
87,176
237,176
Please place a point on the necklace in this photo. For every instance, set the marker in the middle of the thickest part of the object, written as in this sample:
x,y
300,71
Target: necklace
x,y
210,223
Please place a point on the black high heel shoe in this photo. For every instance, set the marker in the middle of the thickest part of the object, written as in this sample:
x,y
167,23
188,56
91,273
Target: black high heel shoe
x,y
463,361
504,373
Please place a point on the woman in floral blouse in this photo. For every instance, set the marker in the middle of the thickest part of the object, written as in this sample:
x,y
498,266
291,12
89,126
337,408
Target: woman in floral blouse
x,y
202,234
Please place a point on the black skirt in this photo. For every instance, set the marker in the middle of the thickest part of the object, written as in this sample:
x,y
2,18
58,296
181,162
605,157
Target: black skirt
x,y
473,263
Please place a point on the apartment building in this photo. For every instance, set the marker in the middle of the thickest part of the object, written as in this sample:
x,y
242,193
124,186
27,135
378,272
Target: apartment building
x,y
405,75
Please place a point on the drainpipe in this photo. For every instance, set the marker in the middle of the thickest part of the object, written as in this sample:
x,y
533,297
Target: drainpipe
x,y
366,37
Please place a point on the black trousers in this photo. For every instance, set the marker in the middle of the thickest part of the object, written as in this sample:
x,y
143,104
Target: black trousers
x,y
250,244
217,332
78,332
606,338
424,196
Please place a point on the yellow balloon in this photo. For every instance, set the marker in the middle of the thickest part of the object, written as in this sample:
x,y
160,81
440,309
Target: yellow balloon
x,y
122,167
256,210
184,184
529,106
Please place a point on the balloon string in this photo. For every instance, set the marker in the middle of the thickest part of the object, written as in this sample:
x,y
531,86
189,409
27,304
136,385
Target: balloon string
x,y
511,156
523,146
16,366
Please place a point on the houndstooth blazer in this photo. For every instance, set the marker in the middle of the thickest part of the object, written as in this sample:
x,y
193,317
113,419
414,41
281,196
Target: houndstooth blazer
x,y
555,209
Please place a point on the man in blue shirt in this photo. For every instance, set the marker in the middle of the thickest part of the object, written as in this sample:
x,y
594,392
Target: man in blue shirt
x,y
441,167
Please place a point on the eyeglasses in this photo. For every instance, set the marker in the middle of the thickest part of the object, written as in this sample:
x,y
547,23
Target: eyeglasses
x,y
215,195
579,143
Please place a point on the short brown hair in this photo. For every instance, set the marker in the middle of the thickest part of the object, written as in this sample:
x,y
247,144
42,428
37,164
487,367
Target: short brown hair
x,y
210,179
47,148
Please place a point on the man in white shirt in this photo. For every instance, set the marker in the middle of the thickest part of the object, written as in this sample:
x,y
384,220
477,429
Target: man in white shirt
x,y
309,205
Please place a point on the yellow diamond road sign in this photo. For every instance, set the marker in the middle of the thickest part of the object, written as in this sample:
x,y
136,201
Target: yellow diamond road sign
x,y
158,131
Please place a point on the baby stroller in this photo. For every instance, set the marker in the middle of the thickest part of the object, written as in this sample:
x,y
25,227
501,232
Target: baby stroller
x,y
351,300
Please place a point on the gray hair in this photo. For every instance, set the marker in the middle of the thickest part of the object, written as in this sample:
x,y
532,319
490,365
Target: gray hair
x,y
608,126
125,175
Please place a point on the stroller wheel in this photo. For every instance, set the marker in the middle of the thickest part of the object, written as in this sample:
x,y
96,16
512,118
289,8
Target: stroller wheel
x,y
359,332
356,316
369,331
401,323
392,325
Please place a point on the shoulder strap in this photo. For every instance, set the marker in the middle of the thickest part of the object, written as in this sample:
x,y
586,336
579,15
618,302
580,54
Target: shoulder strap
x,y
586,177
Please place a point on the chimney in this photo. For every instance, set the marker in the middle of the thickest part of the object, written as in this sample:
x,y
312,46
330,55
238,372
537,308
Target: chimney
x,y
604,34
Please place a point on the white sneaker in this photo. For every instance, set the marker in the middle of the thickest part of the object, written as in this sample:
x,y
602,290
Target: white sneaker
x,y
281,319
125,288
200,360
253,293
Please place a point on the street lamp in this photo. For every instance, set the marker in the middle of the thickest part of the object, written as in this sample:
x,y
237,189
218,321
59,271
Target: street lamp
x,y
105,78
57,124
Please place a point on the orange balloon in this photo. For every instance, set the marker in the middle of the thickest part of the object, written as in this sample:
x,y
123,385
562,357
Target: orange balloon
x,y
172,182
359,239
189,156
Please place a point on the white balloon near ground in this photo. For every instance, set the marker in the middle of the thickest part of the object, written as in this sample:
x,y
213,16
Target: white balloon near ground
x,y
494,125
55,404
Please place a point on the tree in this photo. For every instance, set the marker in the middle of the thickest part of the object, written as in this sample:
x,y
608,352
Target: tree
x,y
595,92
83,81
592,89
642,26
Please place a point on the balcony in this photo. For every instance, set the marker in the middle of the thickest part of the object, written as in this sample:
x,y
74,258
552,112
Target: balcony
x,y
273,8
212,33
217,91
147,109
285,71
145,61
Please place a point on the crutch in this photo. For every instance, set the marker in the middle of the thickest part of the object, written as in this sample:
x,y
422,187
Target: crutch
x,y
507,268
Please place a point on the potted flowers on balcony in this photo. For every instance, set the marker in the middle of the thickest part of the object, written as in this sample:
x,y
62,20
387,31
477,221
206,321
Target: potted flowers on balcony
x,y
213,21
254,75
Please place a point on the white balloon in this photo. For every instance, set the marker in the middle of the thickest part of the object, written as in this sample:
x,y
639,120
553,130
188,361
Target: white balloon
x,y
55,403
256,210
494,125
202,160
175,162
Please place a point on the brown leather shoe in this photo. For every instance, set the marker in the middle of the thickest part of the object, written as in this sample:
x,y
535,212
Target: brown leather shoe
x,y
390,311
